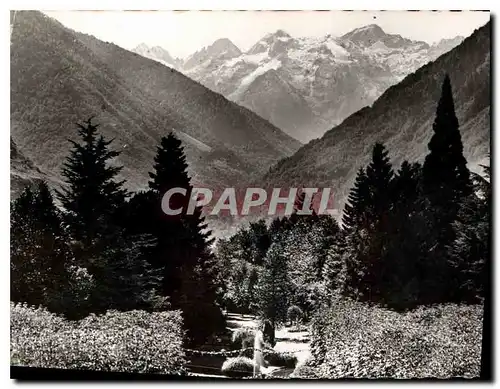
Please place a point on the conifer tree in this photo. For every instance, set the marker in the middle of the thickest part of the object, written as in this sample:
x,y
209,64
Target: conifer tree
x,y
354,216
273,293
470,251
406,185
446,184
368,213
182,252
92,196
277,226
329,234
407,276
446,178
260,240
355,223
40,256
93,201
379,174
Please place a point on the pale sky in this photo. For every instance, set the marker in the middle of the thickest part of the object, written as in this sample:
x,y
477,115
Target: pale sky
x,y
183,32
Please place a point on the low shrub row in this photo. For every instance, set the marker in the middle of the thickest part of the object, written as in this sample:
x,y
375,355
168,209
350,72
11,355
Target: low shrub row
x,y
134,341
355,340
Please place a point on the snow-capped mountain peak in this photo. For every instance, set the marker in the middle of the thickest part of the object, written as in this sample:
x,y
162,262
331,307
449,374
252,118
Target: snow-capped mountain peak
x,y
324,78
365,34
157,53
223,46
221,49
373,34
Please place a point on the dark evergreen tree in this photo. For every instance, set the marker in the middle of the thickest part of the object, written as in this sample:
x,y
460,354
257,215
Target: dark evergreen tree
x,y
354,216
94,202
446,184
355,223
406,187
379,174
407,278
273,290
92,197
366,219
182,252
122,277
40,256
259,240
329,234
446,178
470,251
277,226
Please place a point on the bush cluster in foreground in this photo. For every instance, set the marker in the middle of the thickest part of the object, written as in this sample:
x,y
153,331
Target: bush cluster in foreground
x,y
134,341
356,340
280,359
238,367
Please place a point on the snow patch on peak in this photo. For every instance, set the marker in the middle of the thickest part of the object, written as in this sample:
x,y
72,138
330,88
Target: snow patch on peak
x,y
248,79
336,49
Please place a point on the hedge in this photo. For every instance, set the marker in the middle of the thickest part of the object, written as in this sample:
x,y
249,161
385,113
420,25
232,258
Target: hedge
x,y
134,341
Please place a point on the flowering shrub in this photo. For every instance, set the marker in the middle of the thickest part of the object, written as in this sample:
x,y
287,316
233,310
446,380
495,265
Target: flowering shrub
x,y
134,341
355,340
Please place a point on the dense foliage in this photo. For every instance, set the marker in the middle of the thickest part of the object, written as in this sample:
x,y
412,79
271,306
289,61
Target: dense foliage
x,y
238,367
182,253
103,252
386,291
368,342
134,341
413,242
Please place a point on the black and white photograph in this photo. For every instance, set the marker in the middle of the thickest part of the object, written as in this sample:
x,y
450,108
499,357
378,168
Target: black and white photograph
x,y
250,195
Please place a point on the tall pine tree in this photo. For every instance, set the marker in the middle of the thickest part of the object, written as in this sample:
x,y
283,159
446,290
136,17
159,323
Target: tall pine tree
x,y
92,197
446,184
446,179
379,174
93,200
182,252
407,281
372,199
354,216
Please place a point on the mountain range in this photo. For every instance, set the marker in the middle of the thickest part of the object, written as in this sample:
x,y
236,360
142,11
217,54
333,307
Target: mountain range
x,y
402,119
60,77
306,85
